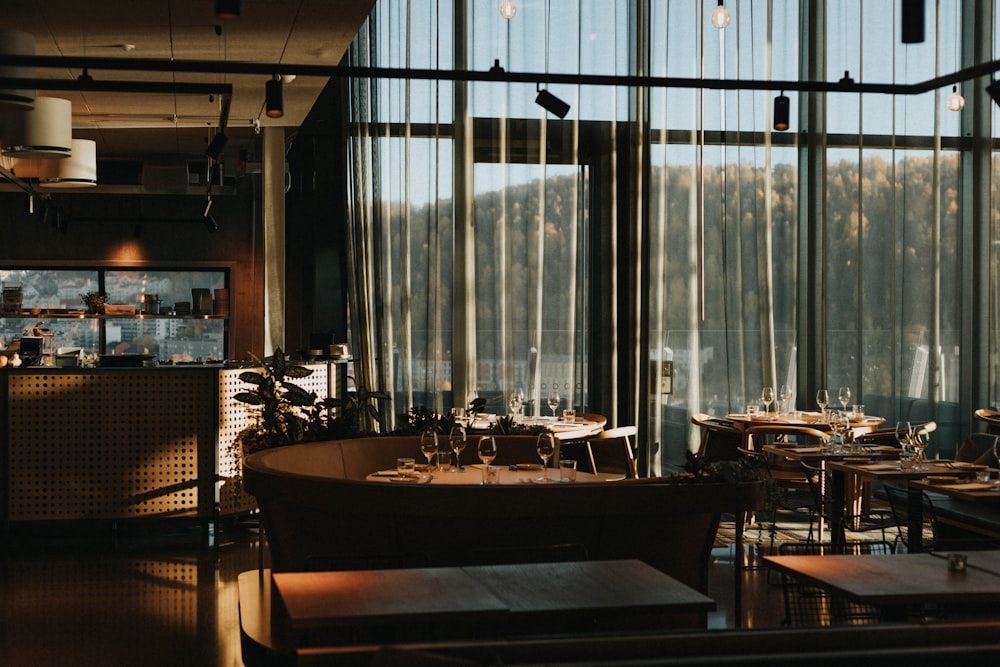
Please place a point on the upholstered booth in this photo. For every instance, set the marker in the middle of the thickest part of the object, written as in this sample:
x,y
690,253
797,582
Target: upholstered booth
x,y
320,513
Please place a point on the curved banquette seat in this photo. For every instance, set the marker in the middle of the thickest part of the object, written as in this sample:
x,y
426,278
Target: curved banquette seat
x,y
320,513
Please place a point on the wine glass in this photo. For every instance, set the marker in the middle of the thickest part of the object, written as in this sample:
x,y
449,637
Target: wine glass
x,y
487,449
904,433
767,397
919,440
429,446
546,447
822,400
457,441
519,392
553,402
844,396
786,398
515,404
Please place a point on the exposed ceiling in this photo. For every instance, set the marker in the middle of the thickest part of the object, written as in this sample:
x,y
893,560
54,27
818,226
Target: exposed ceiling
x,y
297,32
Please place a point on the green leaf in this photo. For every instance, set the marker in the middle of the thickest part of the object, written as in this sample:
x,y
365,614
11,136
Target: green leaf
x,y
247,397
252,377
294,371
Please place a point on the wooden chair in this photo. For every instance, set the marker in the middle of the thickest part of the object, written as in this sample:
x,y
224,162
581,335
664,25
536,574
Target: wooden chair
x,y
610,453
991,419
720,440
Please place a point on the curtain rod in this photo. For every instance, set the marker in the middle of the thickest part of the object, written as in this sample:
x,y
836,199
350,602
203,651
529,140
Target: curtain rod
x,y
844,85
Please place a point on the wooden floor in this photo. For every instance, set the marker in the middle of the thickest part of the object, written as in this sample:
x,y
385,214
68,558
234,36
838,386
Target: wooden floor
x,y
165,593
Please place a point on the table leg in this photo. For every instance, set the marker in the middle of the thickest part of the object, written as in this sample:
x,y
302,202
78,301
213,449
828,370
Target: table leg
x,y
914,520
838,494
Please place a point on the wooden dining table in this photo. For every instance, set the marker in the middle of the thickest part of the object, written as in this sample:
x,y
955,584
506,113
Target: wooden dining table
x,y
855,491
742,423
895,583
472,475
847,475
280,613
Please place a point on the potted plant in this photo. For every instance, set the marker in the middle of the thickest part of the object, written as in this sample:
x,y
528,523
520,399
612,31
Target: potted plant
x,y
281,405
94,301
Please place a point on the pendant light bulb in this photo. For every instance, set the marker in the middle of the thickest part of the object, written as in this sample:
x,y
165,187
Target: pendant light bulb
x,y
956,102
781,112
508,9
720,16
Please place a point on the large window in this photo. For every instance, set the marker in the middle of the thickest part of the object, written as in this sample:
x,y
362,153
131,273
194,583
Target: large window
x,y
49,301
845,252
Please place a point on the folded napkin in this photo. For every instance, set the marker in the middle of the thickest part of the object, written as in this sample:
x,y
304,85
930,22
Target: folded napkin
x,y
880,466
970,486
566,427
806,450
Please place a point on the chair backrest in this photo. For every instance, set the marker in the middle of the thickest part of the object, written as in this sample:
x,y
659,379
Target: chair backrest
x,y
783,433
990,419
810,605
899,503
611,455
720,441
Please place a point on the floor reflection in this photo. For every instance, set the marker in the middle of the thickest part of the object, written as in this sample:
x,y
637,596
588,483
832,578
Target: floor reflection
x,y
149,594
165,593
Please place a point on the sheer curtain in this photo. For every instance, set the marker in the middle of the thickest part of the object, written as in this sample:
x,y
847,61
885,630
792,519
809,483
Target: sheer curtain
x,y
495,246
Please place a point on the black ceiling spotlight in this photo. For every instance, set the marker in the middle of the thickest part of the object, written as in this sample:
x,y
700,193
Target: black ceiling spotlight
x,y
551,103
228,9
994,90
214,149
781,112
274,99
912,21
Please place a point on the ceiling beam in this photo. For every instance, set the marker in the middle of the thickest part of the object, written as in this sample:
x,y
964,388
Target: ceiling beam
x,y
844,85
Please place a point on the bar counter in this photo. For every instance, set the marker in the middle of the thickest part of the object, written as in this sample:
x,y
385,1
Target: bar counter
x,y
118,443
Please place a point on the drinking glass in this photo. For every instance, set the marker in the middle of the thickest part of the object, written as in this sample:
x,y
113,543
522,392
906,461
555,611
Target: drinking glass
x,y
844,396
520,401
786,397
546,447
822,400
554,402
457,440
918,443
904,433
429,446
487,449
515,404
767,397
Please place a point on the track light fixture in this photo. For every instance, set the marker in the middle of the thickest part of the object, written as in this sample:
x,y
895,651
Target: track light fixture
x,y
228,9
214,149
720,16
912,19
274,98
210,224
551,103
781,112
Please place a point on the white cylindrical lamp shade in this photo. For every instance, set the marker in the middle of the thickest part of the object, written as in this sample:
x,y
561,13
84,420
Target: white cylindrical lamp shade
x,y
16,43
79,170
44,132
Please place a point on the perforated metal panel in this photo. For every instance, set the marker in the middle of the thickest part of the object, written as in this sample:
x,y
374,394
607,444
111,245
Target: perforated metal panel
x,y
234,417
111,443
